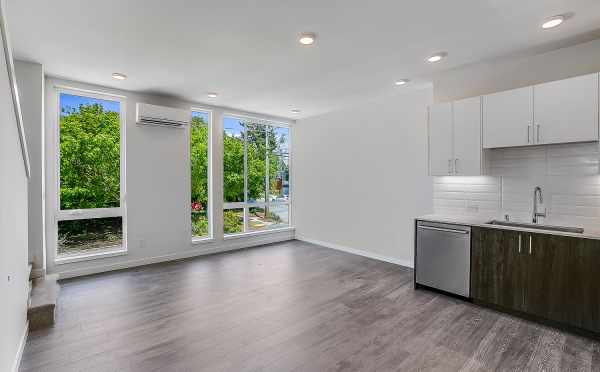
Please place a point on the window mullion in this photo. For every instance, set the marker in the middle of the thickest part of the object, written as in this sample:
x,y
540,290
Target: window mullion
x,y
245,136
83,214
267,186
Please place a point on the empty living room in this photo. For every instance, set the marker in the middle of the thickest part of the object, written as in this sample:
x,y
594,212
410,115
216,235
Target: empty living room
x,y
299,185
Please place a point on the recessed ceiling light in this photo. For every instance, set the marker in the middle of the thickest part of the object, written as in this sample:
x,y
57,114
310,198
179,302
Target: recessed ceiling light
x,y
295,111
552,22
307,38
401,81
437,57
119,76
213,95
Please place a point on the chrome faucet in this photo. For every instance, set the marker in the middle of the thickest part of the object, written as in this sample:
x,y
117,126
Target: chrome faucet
x,y
538,197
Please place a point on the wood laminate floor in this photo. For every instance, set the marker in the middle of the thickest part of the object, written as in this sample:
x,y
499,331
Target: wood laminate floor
x,y
289,306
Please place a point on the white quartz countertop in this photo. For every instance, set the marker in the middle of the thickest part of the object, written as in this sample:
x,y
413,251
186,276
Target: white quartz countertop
x,y
483,222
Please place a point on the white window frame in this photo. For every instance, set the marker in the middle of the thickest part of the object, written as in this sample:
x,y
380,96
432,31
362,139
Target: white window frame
x,y
84,214
247,205
209,207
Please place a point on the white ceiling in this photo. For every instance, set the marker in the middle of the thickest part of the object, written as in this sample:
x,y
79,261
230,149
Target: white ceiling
x,y
247,50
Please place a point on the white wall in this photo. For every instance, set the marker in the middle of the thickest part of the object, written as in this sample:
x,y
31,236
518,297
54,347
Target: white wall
x,y
30,79
360,176
13,229
157,188
510,73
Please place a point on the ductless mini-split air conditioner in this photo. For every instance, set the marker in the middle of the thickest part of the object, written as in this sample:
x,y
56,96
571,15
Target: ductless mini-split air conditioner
x,y
162,116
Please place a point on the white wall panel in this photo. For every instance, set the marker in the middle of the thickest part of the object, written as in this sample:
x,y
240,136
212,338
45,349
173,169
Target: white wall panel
x,y
360,176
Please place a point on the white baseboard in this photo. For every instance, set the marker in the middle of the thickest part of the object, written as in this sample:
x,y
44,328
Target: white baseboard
x,y
19,355
375,256
210,248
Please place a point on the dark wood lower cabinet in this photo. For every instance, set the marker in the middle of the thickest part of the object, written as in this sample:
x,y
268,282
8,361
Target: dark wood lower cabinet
x,y
584,288
548,276
497,272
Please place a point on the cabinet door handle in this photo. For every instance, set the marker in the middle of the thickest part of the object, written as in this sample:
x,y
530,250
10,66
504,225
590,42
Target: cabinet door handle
x,y
538,133
528,134
456,166
520,242
530,241
449,166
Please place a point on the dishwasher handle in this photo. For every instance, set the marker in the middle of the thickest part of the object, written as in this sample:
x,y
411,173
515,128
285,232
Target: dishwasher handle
x,y
443,229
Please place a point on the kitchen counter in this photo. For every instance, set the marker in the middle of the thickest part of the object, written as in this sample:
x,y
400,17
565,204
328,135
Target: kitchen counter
x,y
483,222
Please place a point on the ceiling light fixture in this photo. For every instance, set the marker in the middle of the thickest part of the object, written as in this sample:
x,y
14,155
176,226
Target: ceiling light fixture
x,y
401,81
437,57
552,22
212,95
295,111
307,38
119,76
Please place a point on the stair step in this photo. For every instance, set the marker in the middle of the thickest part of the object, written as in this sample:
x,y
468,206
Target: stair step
x,y
42,307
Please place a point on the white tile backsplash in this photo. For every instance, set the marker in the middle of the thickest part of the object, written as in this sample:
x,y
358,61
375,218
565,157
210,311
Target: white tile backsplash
x,y
467,195
574,159
568,174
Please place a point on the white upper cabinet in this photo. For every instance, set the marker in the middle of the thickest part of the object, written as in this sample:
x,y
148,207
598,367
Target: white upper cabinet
x,y
566,110
508,118
557,112
455,138
467,137
440,140
561,111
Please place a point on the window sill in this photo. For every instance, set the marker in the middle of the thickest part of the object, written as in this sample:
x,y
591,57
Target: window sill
x,y
119,251
196,241
258,233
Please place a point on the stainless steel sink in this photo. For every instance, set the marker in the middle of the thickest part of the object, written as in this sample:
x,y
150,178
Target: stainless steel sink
x,y
576,230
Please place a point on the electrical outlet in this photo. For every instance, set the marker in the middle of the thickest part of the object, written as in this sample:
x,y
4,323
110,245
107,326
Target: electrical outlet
x,y
141,243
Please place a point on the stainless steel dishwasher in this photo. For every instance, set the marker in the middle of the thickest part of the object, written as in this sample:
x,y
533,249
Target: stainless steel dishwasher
x,y
443,257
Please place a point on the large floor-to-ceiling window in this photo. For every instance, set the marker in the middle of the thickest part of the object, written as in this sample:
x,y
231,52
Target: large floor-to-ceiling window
x,y
200,173
86,175
255,175
89,148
